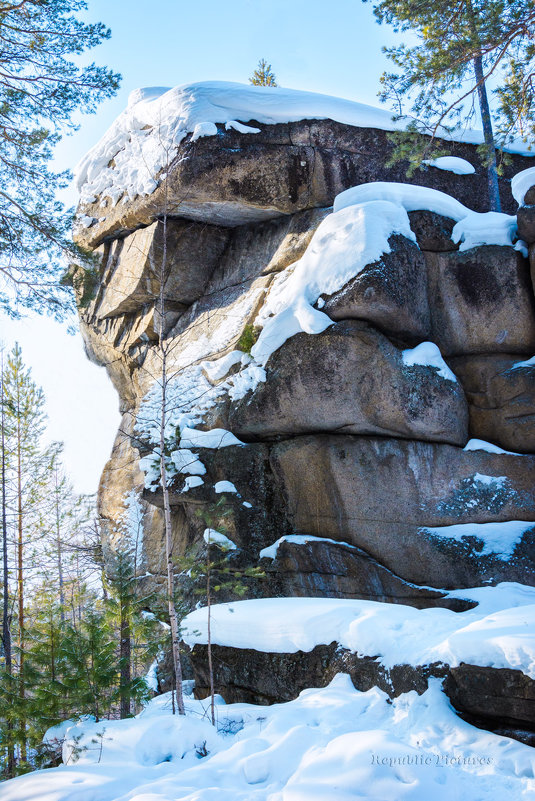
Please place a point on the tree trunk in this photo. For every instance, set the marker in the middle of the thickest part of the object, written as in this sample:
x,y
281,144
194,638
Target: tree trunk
x,y
78,590
163,481
125,658
20,582
492,168
58,549
6,631
209,632
170,574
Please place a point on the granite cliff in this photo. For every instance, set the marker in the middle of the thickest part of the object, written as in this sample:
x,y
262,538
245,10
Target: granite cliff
x,y
376,439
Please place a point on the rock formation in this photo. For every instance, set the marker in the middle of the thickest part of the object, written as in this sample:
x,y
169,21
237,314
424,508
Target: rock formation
x,y
347,435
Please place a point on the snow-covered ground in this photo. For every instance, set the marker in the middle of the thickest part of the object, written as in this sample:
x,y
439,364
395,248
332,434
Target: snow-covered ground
x,y
331,744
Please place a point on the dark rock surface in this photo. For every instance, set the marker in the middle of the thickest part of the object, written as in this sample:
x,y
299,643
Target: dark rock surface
x,y
391,294
132,267
501,694
266,678
333,570
494,696
432,231
501,400
481,301
378,494
525,219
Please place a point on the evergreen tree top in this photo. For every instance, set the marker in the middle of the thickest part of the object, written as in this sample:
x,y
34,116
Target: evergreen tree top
x,y
263,75
436,71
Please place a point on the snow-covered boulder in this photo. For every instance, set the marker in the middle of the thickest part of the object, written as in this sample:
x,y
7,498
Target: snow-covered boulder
x,y
266,648
391,293
230,154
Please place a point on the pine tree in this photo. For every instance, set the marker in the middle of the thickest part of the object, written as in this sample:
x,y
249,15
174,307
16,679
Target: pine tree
x,y
45,664
46,701
263,75
24,422
122,605
459,46
64,520
139,637
28,715
10,716
75,653
516,97
41,87
61,492
90,651
6,615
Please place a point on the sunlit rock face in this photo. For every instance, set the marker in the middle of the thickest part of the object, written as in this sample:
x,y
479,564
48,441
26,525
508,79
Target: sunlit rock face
x,y
349,430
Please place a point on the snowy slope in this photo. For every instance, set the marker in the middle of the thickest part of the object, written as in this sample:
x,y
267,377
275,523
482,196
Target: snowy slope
x,y
332,744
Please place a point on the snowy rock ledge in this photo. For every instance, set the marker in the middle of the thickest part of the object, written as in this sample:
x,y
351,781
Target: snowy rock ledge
x,y
271,648
203,139
496,633
158,119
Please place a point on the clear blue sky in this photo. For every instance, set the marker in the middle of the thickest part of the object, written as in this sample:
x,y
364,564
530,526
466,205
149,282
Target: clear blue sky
x,y
330,47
